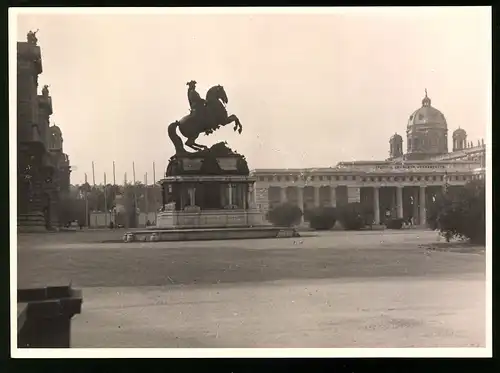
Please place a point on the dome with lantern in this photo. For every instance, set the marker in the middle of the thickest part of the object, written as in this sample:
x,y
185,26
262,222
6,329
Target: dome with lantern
x,y
427,132
427,115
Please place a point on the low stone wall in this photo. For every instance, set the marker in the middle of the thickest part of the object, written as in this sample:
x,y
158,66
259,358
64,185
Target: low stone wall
x,y
210,234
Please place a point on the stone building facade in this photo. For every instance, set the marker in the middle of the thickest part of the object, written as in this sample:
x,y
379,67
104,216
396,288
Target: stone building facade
x,y
402,186
42,169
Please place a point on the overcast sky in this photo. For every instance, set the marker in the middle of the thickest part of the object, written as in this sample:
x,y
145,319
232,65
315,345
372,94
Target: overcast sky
x,y
310,89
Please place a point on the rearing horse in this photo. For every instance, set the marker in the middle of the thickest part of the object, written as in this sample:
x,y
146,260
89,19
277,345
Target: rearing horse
x,y
207,119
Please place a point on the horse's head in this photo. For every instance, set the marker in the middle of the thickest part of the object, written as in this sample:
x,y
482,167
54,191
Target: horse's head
x,y
217,92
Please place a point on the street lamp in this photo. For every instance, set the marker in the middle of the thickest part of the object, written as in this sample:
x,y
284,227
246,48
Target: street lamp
x,y
446,185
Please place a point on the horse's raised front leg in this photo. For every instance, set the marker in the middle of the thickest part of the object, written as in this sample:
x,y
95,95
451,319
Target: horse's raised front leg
x,y
237,123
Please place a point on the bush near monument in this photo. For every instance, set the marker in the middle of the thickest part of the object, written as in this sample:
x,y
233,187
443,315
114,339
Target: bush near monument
x,y
461,214
394,223
284,215
322,218
351,216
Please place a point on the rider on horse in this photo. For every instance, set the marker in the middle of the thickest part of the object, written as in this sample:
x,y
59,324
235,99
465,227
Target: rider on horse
x,y
195,101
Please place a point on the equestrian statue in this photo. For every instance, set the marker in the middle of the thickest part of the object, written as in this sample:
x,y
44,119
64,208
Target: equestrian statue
x,y
206,115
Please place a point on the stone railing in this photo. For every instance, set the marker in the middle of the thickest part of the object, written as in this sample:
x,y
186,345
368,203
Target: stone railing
x,y
461,153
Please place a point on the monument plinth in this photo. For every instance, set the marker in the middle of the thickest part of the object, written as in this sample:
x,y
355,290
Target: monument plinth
x,y
208,189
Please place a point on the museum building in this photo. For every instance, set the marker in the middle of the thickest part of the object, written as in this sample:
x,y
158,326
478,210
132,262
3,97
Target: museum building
x,y
404,185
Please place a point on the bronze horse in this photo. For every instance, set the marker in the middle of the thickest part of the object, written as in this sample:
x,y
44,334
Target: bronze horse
x,y
206,119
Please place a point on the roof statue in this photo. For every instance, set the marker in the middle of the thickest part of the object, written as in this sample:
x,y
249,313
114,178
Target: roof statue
x,y
207,115
31,37
45,90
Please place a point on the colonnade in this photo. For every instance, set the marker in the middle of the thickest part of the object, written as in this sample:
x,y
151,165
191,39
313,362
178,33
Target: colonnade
x,y
418,200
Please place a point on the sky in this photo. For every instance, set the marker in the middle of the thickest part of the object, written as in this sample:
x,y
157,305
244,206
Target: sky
x,y
311,89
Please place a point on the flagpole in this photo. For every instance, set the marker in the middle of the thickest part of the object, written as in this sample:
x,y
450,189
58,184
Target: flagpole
x,y
86,203
146,196
154,174
135,194
94,207
105,203
154,192
113,217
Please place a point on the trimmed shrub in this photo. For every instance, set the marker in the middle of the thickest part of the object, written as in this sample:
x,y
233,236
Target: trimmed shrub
x,y
322,218
462,214
394,223
352,216
284,215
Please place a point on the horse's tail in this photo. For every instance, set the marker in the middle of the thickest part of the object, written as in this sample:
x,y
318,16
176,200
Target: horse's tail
x,y
176,140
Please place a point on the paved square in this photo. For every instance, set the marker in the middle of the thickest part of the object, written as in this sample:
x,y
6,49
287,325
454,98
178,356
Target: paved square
x,y
332,289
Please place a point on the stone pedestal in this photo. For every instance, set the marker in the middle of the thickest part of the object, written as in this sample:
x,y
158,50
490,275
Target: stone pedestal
x,y
208,189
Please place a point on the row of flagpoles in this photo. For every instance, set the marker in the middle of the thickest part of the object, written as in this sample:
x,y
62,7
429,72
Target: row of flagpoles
x,y
125,175
114,184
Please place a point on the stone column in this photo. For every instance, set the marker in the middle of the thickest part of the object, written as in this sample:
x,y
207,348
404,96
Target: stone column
x,y
192,195
300,201
316,196
230,194
283,195
333,196
376,205
249,195
399,201
243,192
423,208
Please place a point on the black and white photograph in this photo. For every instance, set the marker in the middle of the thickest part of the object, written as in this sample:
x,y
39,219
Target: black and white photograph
x,y
250,182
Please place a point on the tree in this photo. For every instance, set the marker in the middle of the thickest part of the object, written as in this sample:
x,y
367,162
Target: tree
x,y
461,214
322,218
70,209
285,215
352,216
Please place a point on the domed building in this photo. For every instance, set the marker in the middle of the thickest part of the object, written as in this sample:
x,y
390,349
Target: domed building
x,y
402,186
426,133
